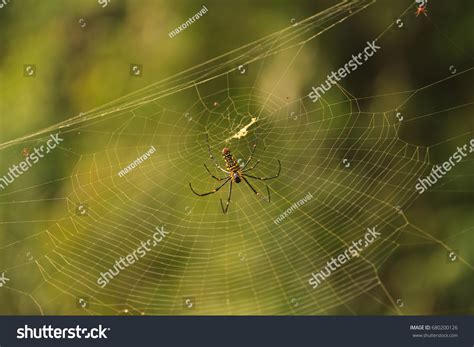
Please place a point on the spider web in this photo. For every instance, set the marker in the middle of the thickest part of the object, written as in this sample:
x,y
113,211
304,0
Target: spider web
x,y
353,161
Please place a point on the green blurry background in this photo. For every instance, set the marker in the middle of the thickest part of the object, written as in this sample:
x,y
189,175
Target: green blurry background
x,y
238,264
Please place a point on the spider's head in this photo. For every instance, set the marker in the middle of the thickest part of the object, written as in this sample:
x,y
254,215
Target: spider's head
x,y
225,151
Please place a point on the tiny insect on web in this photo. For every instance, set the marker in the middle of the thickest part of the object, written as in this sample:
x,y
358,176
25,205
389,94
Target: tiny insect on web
x,y
235,173
421,10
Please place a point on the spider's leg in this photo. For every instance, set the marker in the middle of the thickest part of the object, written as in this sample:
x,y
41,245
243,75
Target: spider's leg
x,y
224,210
211,192
210,173
253,167
251,155
253,189
211,156
268,178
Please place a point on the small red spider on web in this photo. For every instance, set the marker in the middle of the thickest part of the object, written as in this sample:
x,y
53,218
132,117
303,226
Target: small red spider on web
x,y
25,152
421,9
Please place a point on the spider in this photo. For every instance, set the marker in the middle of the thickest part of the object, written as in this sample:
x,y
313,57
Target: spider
x,y
421,9
235,173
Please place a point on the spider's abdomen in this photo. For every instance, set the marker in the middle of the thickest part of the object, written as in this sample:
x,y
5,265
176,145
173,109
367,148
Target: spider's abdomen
x,y
230,162
232,165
